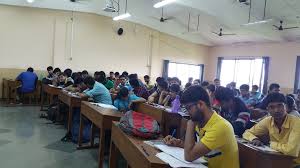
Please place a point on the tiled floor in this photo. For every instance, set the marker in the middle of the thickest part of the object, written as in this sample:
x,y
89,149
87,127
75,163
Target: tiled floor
x,y
26,141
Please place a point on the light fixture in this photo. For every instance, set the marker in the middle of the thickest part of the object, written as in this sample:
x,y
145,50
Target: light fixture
x,y
30,1
257,22
123,16
163,3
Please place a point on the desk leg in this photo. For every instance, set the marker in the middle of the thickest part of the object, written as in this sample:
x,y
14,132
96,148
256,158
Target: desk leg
x,y
92,134
42,100
80,132
112,155
101,147
70,117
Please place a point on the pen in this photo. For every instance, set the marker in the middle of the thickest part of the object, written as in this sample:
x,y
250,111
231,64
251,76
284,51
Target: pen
x,y
145,151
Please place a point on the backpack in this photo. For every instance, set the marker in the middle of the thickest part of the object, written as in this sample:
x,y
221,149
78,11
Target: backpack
x,y
140,125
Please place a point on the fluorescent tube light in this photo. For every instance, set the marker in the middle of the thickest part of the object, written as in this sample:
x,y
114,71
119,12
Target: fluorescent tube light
x,y
257,22
30,1
121,17
163,3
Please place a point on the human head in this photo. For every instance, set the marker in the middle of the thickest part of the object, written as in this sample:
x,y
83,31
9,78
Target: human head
x,y
68,72
61,77
233,85
125,74
134,83
133,76
211,88
122,79
50,70
225,96
102,77
196,82
117,75
89,82
111,74
78,82
197,102
187,85
217,82
56,71
244,89
123,93
84,74
174,90
276,105
274,88
290,104
163,85
147,79
190,80
30,69
204,84
175,80
159,79
254,88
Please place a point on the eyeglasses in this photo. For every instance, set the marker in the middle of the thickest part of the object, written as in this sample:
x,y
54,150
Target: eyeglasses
x,y
276,106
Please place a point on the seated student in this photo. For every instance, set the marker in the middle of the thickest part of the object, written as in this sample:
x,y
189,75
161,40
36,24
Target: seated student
x,y
124,100
111,76
101,78
60,80
148,83
162,85
28,80
69,81
204,84
175,80
155,87
233,109
48,79
262,105
291,106
117,75
217,82
283,129
78,86
214,102
84,74
139,90
255,94
216,137
123,83
197,82
236,91
167,97
187,85
96,90
245,96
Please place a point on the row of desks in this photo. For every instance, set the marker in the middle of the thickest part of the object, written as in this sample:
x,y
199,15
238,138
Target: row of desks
x,y
131,147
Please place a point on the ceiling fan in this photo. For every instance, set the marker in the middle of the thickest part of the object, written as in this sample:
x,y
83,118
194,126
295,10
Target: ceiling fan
x,y
281,28
222,34
163,18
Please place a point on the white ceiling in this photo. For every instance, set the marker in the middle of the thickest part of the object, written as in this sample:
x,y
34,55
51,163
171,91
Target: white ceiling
x,y
228,14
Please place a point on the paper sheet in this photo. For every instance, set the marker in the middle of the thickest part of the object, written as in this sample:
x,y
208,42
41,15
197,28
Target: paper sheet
x,y
105,106
265,148
173,162
177,153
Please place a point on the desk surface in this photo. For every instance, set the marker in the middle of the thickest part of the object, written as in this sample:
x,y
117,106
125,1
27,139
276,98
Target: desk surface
x,y
132,150
51,90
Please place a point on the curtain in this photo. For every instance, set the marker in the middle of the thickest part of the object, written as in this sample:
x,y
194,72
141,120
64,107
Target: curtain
x,y
219,66
266,62
165,69
297,75
201,72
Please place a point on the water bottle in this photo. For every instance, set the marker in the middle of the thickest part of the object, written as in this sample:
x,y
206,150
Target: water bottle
x,y
176,104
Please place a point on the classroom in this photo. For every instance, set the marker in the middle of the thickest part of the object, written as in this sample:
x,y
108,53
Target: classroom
x,y
150,83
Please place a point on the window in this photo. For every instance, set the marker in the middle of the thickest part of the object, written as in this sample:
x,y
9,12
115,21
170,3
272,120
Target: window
x,y
185,71
242,71
297,75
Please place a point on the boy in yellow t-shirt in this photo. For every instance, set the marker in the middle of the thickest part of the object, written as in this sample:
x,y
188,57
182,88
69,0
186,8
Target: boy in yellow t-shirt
x,y
217,140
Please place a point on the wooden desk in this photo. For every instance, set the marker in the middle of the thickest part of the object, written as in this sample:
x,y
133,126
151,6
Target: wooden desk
x,y
131,149
50,91
251,157
11,89
72,102
100,117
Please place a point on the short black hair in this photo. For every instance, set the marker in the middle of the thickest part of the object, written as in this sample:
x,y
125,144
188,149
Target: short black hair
x,y
68,72
102,77
163,84
211,88
147,77
78,80
49,68
159,79
176,79
275,97
134,82
255,87
194,94
123,92
84,72
133,76
175,88
244,87
125,73
30,69
122,76
204,83
187,85
117,74
217,79
56,70
111,72
89,81
224,94
198,80
273,86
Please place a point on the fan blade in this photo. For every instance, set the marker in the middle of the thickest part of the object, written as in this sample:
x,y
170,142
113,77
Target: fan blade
x,y
215,33
290,28
169,18
276,27
229,34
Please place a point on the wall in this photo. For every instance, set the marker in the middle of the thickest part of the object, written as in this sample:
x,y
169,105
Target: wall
x,y
41,37
282,60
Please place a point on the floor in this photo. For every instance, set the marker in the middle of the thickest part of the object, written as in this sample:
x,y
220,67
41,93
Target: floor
x,y
30,142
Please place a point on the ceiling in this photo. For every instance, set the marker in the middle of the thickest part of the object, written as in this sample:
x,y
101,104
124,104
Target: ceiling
x,y
213,14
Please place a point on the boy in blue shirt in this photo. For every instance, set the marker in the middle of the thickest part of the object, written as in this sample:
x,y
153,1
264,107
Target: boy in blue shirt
x,y
28,80
124,100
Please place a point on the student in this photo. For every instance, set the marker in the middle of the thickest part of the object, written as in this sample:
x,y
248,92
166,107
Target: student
x,y
236,91
69,81
111,76
190,80
102,79
124,100
245,96
217,82
48,79
123,83
155,88
204,84
97,91
175,80
255,94
233,109
187,85
217,140
78,86
117,75
28,80
273,88
167,97
196,82
148,84
60,80
162,85
214,102
291,106
139,90
84,74
282,129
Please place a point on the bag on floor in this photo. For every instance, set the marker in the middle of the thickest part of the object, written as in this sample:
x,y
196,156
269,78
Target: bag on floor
x,y
140,125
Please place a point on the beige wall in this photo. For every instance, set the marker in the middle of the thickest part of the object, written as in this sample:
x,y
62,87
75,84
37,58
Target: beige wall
x,y
282,60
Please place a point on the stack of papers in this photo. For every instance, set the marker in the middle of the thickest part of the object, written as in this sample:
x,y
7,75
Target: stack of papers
x,y
174,156
109,106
